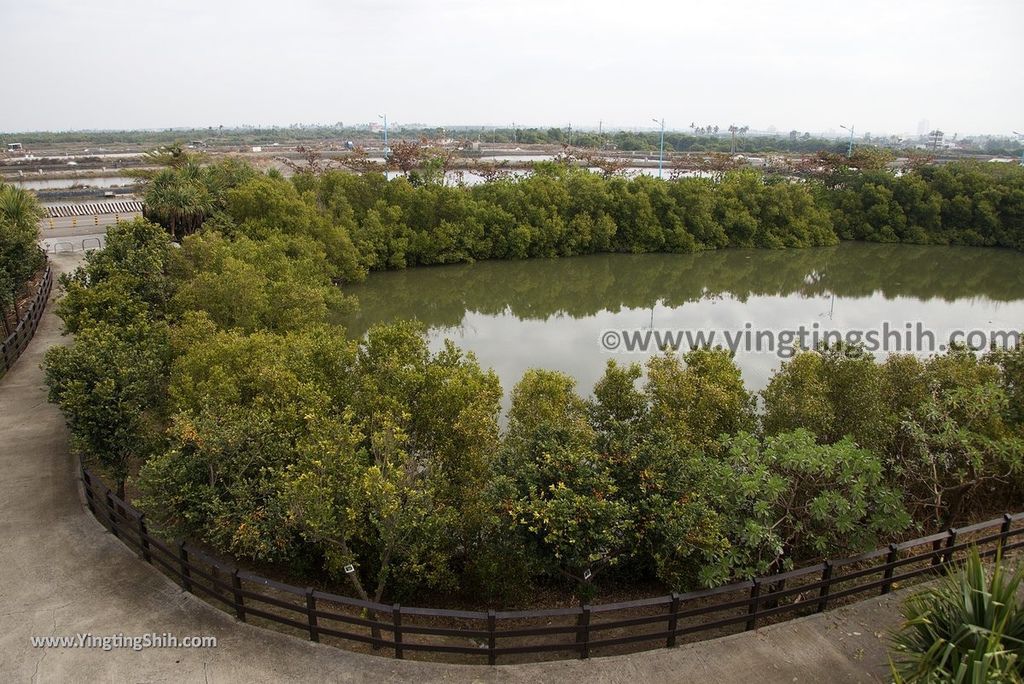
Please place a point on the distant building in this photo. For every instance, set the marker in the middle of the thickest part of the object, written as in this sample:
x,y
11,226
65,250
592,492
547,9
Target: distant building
x,y
14,147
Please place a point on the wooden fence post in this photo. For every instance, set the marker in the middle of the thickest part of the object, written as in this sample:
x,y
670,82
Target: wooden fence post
x,y
186,574
90,494
673,620
583,630
492,620
236,589
396,618
314,634
773,598
890,560
1004,530
826,587
375,635
947,557
144,539
936,557
215,573
111,516
755,600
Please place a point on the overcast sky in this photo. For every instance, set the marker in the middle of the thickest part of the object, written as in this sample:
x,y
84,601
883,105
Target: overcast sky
x,y
882,65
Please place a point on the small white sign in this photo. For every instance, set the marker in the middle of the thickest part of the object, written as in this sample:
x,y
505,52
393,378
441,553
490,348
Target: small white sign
x,y
587,574
349,569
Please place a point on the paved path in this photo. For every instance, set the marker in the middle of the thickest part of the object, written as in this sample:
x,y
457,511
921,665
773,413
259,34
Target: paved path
x,y
62,574
66,227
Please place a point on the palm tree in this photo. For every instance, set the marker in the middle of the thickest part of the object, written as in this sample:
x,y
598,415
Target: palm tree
x,y
20,255
172,156
166,157
19,208
178,199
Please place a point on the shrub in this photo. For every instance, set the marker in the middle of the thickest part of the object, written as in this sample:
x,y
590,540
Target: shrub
x,y
969,628
20,256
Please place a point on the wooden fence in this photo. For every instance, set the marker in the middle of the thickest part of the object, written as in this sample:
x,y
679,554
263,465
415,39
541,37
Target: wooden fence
x,y
14,345
580,631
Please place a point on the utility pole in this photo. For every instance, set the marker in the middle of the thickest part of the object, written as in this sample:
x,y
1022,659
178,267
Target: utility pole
x,y
385,117
849,150
661,147
1022,150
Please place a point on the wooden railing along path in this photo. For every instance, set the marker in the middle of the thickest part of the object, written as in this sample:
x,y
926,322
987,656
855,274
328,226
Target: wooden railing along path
x,y
580,631
12,347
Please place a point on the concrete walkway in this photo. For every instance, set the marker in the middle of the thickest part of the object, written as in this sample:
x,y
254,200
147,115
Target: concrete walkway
x,y
62,574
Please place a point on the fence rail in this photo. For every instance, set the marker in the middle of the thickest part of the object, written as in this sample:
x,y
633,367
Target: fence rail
x,y
576,631
12,347
94,209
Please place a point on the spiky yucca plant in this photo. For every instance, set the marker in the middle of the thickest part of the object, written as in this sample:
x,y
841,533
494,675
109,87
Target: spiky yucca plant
x,y
969,628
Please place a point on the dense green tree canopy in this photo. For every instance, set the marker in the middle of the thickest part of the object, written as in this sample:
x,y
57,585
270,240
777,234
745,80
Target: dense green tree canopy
x,y
206,376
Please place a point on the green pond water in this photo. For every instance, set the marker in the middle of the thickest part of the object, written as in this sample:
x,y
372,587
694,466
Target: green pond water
x,y
555,313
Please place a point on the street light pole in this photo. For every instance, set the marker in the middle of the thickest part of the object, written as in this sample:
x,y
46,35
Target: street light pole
x,y
661,146
849,150
385,117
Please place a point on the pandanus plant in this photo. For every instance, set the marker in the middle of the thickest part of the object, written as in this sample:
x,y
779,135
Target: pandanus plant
x,y
969,628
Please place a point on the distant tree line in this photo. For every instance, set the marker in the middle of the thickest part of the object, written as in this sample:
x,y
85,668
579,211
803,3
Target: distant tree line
x,y
696,138
366,222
